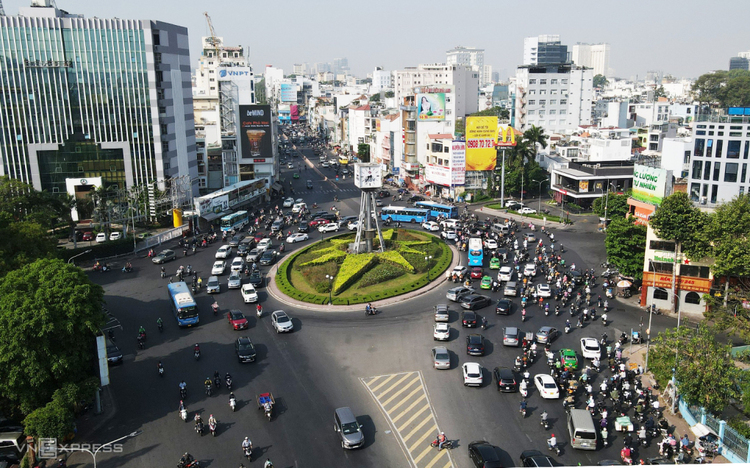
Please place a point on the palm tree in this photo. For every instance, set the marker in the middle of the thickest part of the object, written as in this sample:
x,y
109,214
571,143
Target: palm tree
x,y
535,136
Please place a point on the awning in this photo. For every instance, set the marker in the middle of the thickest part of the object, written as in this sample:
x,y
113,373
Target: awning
x,y
211,215
277,186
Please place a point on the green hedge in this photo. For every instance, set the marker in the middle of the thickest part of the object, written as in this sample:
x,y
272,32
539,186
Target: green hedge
x,y
284,285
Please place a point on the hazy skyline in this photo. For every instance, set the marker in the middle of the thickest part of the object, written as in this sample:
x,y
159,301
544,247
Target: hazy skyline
x,y
685,39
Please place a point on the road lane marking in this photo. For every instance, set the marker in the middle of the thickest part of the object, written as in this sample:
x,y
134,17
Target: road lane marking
x,y
394,385
436,458
405,388
418,427
410,407
383,382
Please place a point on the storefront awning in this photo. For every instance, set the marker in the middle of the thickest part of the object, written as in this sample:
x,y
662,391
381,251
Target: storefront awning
x,y
277,186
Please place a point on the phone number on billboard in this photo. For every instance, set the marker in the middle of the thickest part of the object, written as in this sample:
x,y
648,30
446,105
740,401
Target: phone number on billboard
x,y
486,143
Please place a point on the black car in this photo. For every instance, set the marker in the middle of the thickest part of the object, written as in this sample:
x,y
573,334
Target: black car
x,y
244,349
235,240
114,355
504,307
505,380
268,257
164,256
309,184
535,458
475,345
242,249
303,226
318,214
484,455
256,279
384,194
475,301
329,216
416,198
468,319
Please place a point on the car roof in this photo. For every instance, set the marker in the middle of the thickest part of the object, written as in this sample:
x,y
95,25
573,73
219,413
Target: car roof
x,y
472,365
244,339
511,329
213,278
439,349
567,352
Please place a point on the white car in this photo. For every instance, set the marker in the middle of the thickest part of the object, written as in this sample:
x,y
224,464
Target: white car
x,y
238,263
542,290
297,237
353,225
546,386
459,271
529,270
505,273
431,226
298,207
288,202
101,237
115,235
234,281
329,227
264,245
224,251
472,374
448,235
324,164
281,322
490,244
590,348
219,267
249,294
527,210
510,203
442,332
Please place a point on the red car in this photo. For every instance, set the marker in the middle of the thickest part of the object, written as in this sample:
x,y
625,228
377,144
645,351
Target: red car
x,y
317,222
237,319
476,273
259,236
88,236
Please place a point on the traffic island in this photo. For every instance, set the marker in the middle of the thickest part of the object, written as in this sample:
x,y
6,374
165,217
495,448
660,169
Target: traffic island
x,y
326,272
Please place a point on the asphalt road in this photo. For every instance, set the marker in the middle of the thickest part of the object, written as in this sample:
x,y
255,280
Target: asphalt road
x,y
379,366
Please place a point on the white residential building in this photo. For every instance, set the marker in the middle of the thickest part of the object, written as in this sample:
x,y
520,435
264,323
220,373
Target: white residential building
x,y
543,50
299,69
360,125
675,155
594,56
604,145
555,97
274,76
387,148
470,57
643,114
464,80
381,80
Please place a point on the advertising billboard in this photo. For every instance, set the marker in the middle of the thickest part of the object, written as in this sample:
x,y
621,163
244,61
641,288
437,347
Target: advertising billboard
x,y
288,92
431,107
481,136
435,174
458,162
650,184
506,136
255,132
294,112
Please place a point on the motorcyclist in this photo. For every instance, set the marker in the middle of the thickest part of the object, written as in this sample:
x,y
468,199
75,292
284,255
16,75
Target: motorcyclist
x,y
186,459
183,386
141,330
442,439
196,348
207,382
247,444
212,421
544,416
552,442
198,420
259,309
268,463
160,323
523,405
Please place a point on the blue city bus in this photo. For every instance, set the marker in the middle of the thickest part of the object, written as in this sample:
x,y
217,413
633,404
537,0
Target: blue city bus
x,y
235,221
476,254
439,209
183,305
404,214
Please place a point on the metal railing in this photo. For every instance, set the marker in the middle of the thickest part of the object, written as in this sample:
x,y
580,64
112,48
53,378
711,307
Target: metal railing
x,y
736,443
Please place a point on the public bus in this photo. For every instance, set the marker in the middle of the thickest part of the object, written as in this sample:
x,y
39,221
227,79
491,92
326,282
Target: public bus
x,y
476,253
404,214
183,305
235,221
439,209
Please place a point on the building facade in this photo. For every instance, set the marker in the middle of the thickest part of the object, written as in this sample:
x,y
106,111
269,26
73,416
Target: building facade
x,y
594,56
554,97
465,82
543,50
739,63
91,99
470,57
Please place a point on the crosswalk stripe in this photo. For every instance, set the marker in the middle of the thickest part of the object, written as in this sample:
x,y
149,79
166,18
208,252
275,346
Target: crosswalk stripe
x,y
405,388
436,458
390,377
424,452
382,394
410,407
418,427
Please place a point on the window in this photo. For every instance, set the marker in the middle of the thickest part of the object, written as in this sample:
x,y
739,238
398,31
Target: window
x,y
532,92
695,192
563,111
700,145
541,112
660,267
553,81
733,149
660,294
730,172
692,298
532,81
563,102
717,170
542,91
714,193
700,132
532,102
543,82
686,158
697,165
532,112
709,147
542,102
552,102
707,170
553,91
667,246
552,112
744,172
695,271
719,147
745,154
564,81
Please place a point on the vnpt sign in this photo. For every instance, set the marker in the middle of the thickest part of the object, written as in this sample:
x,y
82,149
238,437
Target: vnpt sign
x,y
224,73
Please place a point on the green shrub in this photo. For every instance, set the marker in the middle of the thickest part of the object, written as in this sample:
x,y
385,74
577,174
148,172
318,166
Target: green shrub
x,y
352,269
381,273
387,234
416,260
325,258
396,259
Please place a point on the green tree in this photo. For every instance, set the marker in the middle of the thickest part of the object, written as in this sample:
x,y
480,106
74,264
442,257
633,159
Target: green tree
x,y
389,94
49,314
723,88
460,126
616,205
703,367
363,152
374,98
57,418
535,136
23,243
600,81
660,92
626,246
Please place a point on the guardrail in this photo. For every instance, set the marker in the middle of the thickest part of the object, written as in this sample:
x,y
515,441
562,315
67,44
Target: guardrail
x,y
732,445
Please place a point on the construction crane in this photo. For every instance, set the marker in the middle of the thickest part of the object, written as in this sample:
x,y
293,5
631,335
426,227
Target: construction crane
x,y
213,40
2,11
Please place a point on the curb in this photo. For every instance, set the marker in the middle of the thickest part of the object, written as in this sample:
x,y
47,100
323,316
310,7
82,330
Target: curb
x,y
284,299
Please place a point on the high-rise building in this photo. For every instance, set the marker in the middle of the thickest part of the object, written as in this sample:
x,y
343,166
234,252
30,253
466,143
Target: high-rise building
x,y
739,63
545,49
594,56
299,69
340,66
94,102
465,80
470,57
381,80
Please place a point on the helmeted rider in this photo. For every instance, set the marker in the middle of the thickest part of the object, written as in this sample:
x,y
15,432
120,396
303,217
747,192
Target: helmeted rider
x,y
247,444
207,382
442,439
552,442
186,459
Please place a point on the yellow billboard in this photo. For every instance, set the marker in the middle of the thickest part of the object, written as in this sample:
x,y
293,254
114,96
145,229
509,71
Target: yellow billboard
x,y
481,137
506,136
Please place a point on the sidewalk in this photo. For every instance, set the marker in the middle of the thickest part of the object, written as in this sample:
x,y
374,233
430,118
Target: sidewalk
x,y
274,291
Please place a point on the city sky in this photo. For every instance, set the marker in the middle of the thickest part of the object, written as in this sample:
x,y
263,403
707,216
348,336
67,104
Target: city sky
x,y
685,39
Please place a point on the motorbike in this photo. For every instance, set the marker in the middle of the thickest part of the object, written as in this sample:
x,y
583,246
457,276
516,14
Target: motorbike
x,y
141,342
545,423
567,329
208,390
183,393
183,414
248,452
233,403
448,444
371,311
161,370
524,390
160,326
625,456
197,354
228,383
215,308
217,382
259,310
605,440
555,447
199,428
212,428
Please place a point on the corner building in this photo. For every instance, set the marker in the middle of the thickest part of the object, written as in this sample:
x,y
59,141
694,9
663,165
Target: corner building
x,y
90,102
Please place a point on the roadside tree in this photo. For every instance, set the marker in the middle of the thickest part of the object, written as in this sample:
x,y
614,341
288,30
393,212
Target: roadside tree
x,y
626,246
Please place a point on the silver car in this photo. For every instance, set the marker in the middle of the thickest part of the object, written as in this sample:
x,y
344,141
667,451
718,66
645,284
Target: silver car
x,y
234,282
212,285
441,313
441,358
511,336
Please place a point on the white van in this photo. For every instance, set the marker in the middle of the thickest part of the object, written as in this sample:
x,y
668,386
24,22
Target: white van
x,y
500,228
13,441
581,429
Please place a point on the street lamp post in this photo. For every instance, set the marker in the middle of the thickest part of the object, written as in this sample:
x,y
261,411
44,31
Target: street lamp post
x,y
94,453
330,288
427,259
606,205
540,182
70,260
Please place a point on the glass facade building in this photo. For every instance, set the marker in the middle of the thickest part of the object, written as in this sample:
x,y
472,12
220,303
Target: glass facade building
x,y
83,99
